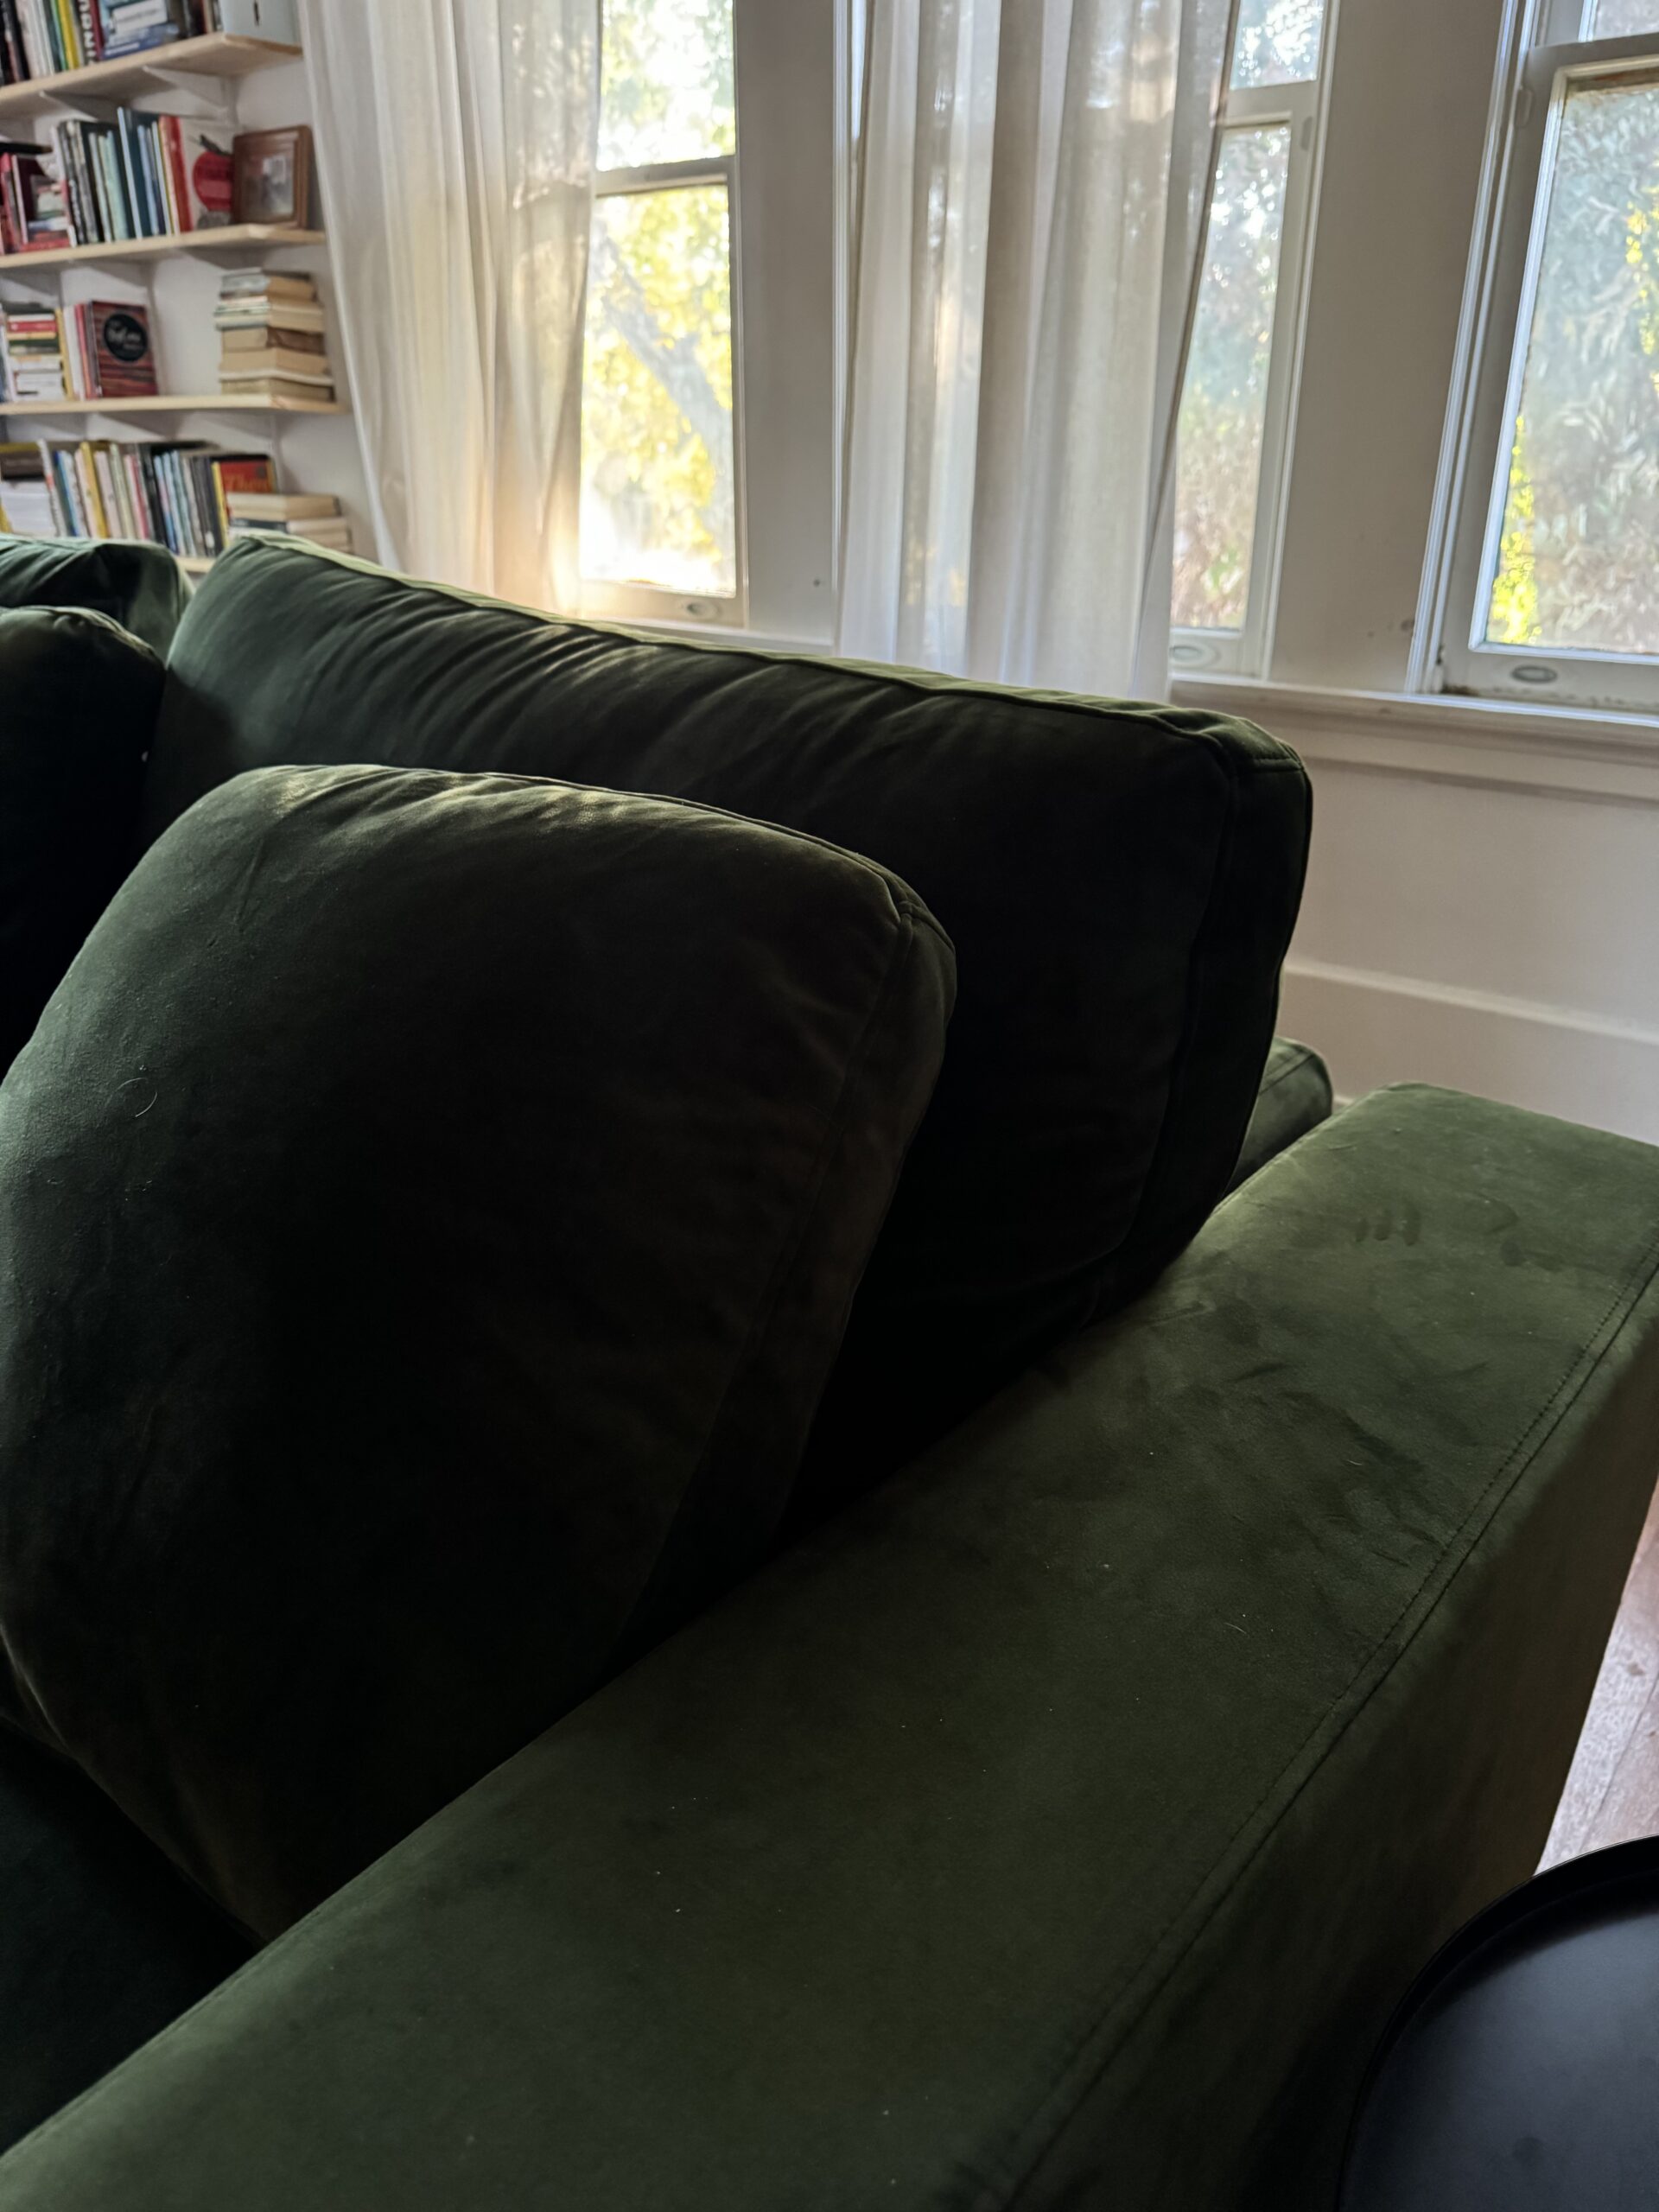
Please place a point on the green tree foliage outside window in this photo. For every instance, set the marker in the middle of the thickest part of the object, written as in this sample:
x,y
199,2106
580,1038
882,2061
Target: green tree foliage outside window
x,y
660,503
1579,551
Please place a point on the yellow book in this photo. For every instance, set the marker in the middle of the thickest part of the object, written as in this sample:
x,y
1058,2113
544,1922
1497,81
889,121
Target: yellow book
x,y
69,26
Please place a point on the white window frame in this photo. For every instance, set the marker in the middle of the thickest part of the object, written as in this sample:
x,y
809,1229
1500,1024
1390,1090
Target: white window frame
x,y
627,602
1553,55
788,247
1302,106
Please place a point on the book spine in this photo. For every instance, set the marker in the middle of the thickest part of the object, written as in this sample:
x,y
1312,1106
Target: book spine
x,y
173,139
17,59
87,177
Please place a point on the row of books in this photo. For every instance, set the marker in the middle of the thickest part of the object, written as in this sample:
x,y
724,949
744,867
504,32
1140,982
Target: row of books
x,y
192,499
271,335
100,350
142,177
42,38
175,495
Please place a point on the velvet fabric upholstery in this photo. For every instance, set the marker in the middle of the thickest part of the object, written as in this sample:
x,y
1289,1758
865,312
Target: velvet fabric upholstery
x,y
78,704
431,1210
1294,1097
140,587
1120,883
102,1942
1059,1826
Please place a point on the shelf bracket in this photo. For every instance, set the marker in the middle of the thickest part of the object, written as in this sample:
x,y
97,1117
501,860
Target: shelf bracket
x,y
212,97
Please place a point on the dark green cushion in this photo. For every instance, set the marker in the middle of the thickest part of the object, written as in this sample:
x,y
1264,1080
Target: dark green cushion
x,y
431,1209
1057,1830
1120,883
140,587
102,1944
78,703
1294,1097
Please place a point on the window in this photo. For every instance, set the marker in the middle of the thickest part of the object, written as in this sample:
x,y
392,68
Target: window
x,y
1554,587
662,515
709,447
1237,401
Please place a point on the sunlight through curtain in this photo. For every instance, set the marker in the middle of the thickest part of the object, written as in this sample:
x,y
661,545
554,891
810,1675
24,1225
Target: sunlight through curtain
x,y
1034,175
456,143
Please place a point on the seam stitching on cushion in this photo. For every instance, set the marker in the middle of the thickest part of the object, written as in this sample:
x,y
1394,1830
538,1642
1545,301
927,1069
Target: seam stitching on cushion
x,y
1291,1067
909,912
1456,1551
1191,996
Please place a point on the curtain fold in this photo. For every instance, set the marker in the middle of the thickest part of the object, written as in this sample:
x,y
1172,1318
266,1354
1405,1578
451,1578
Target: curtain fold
x,y
456,142
1034,177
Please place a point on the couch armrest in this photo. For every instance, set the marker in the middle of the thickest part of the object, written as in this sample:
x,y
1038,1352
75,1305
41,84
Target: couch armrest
x,y
1057,1828
1295,1096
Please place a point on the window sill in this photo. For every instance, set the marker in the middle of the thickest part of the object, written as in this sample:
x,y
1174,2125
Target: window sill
x,y
1573,752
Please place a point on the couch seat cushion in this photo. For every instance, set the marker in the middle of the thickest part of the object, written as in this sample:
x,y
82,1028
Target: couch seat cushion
x,y
432,1208
78,704
1120,884
140,587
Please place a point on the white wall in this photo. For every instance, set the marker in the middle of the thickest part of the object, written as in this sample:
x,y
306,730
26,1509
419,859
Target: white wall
x,y
1482,899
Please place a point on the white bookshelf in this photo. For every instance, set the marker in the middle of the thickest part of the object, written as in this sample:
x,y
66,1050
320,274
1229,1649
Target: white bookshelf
x,y
137,78
252,84
234,240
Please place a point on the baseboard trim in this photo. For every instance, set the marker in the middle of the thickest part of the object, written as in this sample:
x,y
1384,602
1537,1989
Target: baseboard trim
x,y
1375,1029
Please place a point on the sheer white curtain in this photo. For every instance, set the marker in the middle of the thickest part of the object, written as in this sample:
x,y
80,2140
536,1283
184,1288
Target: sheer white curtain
x,y
455,140
1034,177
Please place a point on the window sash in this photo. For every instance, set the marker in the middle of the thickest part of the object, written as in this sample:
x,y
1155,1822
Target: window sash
x,y
1244,650
627,602
1551,676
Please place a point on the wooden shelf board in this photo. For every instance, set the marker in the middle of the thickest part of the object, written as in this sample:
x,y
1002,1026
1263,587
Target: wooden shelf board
x,y
217,403
195,564
220,54
236,236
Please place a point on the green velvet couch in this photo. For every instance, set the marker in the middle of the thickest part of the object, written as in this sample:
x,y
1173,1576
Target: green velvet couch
x,y
1053,1825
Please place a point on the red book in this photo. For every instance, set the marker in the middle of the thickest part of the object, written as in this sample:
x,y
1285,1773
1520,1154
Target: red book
x,y
124,362
173,140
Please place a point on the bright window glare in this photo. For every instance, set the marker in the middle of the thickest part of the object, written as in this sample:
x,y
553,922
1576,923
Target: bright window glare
x,y
658,477
668,90
1278,42
1624,19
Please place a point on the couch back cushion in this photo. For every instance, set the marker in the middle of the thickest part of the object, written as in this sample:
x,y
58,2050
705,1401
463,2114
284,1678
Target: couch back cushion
x,y
431,1209
1120,884
140,587
78,704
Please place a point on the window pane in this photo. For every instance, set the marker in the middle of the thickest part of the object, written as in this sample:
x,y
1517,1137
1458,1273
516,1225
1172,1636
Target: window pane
x,y
1624,19
668,86
1578,565
1279,40
1224,402
658,481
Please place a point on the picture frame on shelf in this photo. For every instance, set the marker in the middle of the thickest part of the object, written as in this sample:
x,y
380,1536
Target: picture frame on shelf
x,y
273,177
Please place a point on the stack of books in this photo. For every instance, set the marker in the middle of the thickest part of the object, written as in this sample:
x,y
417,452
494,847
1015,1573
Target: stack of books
x,y
175,495
314,515
270,336
31,347
41,38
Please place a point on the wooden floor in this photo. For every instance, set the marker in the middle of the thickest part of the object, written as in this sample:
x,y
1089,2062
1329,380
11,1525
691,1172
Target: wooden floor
x,y
1612,1793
